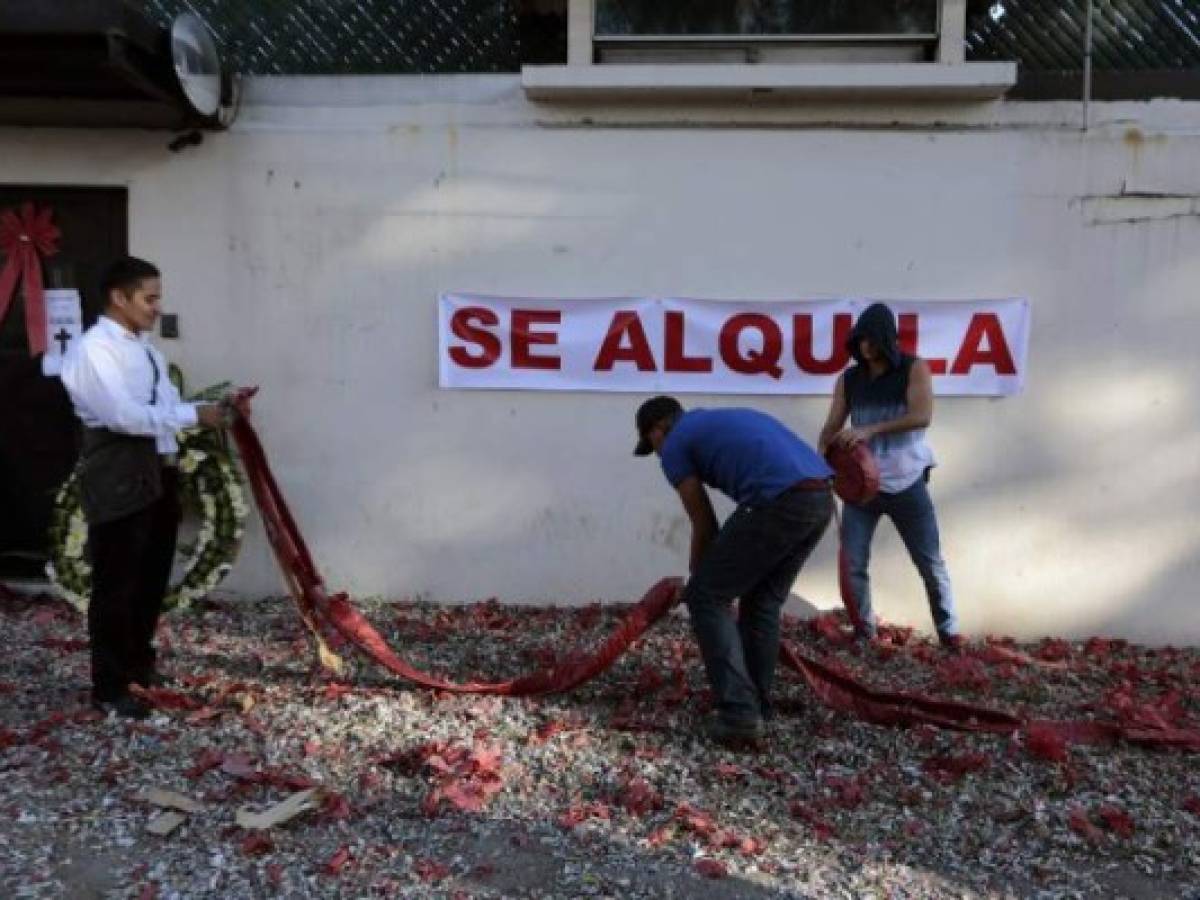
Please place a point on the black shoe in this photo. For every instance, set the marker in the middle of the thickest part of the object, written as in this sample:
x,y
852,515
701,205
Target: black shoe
x,y
734,732
953,644
153,679
124,707
863,639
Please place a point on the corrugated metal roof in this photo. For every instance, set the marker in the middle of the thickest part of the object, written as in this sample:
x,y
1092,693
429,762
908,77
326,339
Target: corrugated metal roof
x,y
276,37
1048,35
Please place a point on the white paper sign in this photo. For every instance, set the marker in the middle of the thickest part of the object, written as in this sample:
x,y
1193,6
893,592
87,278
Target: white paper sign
x,y
64,326
674,345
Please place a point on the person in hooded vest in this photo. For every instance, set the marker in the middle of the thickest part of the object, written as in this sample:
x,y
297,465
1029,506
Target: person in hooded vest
x,y
131,415
888,397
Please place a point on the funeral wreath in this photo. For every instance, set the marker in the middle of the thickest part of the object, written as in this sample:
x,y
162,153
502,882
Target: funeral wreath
x,y
211,495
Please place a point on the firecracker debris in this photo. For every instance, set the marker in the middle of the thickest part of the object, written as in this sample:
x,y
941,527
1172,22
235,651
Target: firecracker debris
x,y
281,781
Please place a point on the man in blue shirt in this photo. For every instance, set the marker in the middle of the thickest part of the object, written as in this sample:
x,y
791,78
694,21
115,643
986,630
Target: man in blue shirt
x,y
782,488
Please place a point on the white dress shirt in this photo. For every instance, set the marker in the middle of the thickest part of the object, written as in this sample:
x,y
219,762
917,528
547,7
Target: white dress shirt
x,y
110,379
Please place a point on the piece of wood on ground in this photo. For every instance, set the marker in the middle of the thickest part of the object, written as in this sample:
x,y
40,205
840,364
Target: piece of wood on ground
x,y
166,822
281,812
170,800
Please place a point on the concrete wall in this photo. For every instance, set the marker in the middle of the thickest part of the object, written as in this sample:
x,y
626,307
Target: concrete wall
x,y
304,250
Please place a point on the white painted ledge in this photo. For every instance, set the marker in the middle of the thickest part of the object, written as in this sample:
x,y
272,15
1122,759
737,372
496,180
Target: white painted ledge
x,y
705,81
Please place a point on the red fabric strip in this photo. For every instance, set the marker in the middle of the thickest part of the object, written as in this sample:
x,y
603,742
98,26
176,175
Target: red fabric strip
x,y
834,689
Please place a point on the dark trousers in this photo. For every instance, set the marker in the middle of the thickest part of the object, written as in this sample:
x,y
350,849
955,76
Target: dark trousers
x,y
131,566
756,556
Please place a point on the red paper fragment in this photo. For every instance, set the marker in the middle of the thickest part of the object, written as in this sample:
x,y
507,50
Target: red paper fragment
x,y
660,836
335,689
696,820
581,812
711,868
337,862
335,807
637,797
749,846
848,792
809,816
965,673
1116,820
1045,742
203,714
1082,825
947,769
547,730
428,870
256,844
1053,650
729,771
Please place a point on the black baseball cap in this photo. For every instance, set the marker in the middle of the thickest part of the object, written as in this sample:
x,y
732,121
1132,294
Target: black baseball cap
x,y
650,414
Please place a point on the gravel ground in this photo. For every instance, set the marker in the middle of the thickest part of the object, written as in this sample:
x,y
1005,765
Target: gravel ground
x,y
605,792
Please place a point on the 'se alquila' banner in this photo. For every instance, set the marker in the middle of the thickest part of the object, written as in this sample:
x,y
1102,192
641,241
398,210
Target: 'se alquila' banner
x,y
676,345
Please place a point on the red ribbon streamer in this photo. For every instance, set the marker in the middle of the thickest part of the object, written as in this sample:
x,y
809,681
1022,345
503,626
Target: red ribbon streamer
x,y
834,689
25,237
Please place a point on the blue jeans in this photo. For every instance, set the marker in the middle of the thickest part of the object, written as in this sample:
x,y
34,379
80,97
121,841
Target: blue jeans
x,y
756,556
911,511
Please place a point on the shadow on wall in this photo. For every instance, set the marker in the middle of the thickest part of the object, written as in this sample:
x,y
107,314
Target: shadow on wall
x,y
1095,530
1071,508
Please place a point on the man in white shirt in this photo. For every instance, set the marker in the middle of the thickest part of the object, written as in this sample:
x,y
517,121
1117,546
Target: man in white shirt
x,y
131,413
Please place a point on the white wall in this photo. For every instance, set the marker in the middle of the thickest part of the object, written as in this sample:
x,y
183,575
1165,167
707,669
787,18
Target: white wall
x,y
304,250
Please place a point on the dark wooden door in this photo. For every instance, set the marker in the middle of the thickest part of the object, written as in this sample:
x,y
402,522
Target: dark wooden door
x,y
37,426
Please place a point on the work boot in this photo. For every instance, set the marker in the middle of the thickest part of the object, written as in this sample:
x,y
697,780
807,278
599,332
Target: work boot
x,y
125,706
153,679
734,732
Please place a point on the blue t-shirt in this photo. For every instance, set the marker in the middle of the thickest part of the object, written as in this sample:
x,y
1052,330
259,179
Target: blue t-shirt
x,y
744,453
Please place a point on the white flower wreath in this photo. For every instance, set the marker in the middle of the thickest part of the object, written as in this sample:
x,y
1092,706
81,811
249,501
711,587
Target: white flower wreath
x,y
209,487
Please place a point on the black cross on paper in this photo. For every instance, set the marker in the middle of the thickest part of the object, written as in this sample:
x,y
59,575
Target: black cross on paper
x,y
63,337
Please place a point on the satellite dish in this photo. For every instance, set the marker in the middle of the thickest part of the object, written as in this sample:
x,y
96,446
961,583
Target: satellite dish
x,y
197,64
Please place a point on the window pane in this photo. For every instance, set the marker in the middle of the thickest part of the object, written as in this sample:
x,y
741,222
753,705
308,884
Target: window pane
x,y
752,18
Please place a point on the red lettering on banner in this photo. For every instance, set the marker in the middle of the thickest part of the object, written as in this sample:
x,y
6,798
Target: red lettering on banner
x,y
524,336
625,326
909,333
984,328
462,323
754,362
675,358
910,342
802,345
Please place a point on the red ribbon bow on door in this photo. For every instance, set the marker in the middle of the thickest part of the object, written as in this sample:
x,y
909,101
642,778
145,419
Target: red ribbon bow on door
x,y
25,237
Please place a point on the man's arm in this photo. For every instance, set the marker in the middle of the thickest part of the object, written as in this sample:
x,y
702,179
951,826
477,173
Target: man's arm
x,y
920,408
208,415
700,511
837,416
95,380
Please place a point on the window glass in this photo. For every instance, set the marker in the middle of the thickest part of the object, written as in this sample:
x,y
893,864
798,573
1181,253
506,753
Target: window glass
x,y
759,18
